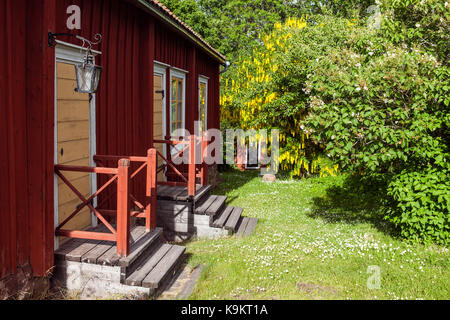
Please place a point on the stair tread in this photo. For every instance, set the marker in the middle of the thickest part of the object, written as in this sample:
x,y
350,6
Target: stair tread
x,y
205,205
135,279
250,228
233,219
242,225
222,219
93,255
164,267
202,191
215,207
139,246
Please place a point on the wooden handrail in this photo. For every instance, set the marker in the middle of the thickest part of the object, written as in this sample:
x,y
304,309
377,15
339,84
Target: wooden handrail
x,y
117,158
63,167
171,142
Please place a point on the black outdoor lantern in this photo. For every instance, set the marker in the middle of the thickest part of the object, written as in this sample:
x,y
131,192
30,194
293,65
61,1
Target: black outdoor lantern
x,y
87,73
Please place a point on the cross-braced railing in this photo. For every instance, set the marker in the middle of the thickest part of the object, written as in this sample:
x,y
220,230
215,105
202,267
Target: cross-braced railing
x,y
127,203
122,177
194,170
120,234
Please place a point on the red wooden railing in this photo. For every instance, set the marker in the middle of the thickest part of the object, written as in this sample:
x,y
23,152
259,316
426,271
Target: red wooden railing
x,y
144,210
194,171
119,235
122,177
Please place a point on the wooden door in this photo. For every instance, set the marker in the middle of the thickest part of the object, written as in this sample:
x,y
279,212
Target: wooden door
x,y
158,98
73,145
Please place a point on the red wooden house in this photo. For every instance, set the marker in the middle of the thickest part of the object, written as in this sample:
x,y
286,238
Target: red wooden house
x,y
158,75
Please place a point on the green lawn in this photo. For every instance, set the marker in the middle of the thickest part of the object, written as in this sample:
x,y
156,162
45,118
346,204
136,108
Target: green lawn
x,y
315,239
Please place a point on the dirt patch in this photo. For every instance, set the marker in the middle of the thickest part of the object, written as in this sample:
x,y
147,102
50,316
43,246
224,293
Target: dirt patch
x,y
311,288
183,284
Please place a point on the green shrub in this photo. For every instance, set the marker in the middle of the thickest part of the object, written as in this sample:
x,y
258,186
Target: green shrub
x,y
419,205
379,108
382,109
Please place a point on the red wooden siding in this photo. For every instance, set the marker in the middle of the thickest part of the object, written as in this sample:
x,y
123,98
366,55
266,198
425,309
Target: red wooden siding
x,y
207,67
26,157
132,39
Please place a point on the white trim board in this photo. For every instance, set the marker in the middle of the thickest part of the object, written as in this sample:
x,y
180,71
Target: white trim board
x,y
72,54
181,75
161,71
204,80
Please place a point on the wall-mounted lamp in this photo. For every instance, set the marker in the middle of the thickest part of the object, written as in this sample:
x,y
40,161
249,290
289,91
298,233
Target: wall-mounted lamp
x,y
226,65
87,73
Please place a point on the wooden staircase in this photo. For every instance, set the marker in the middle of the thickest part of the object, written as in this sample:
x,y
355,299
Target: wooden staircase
x,y
223,216
150,265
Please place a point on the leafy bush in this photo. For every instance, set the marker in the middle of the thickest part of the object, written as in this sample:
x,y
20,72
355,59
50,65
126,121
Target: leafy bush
x,y
423,23
378,108
373,101
382,109
419,205
264,90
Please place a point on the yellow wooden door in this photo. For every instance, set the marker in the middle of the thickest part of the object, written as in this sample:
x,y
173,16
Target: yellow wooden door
x,y
73,145
158,118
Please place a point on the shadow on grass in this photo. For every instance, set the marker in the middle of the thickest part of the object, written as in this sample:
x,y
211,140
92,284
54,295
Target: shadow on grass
x,y
355,201
232,179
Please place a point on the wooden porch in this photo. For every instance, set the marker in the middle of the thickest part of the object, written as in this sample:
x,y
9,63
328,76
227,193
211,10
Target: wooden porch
x,y
137,256
127,204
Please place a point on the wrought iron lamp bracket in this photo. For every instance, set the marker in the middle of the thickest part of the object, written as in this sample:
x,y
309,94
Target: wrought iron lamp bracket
x,y
89,43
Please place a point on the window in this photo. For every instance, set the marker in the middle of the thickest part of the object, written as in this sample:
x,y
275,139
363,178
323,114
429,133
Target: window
x,y
203,104
176,112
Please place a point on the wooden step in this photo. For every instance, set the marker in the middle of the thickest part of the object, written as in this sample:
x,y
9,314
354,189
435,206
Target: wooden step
x,y
201,209
95,251
135,278
140,247
233,219
216,206
159,266
212,205
221,219
178,193
202,194
246,226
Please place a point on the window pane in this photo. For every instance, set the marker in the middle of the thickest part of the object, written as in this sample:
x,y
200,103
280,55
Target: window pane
x,y
180,90
179,111
174,89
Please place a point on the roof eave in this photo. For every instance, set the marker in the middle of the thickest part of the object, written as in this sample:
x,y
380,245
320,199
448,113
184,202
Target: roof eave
x,y
152,9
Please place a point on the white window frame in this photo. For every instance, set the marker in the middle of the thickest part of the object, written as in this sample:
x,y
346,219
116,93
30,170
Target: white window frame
x,y
182,75
204,80
73,54
160,69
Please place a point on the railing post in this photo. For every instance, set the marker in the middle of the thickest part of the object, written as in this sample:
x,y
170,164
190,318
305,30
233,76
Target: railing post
x,y
191,174
123,208
204,166
151,190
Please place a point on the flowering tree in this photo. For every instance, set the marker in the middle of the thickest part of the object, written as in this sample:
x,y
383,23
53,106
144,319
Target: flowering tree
x,y
265,89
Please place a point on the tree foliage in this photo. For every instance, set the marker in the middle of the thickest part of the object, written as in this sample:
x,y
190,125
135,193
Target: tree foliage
x,y
368,98
232,26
